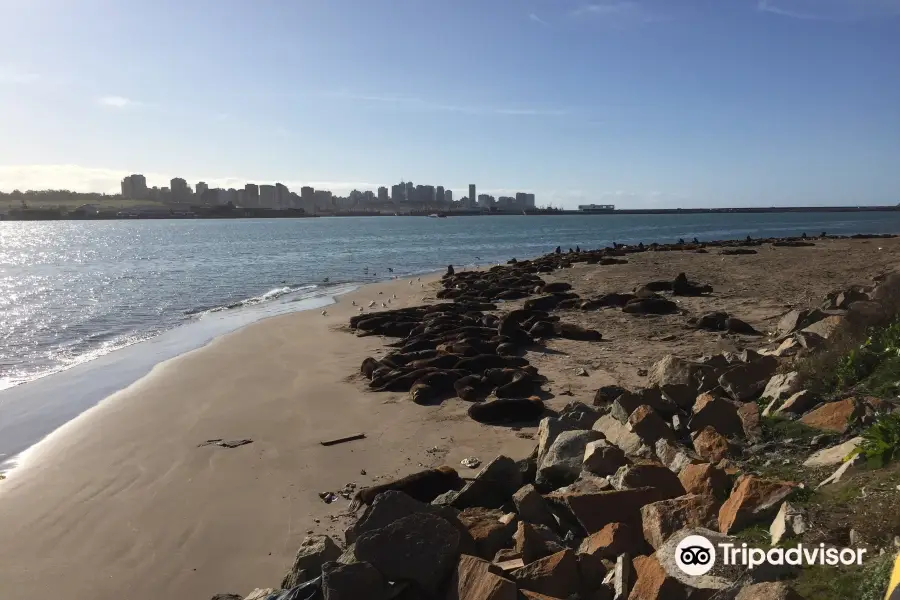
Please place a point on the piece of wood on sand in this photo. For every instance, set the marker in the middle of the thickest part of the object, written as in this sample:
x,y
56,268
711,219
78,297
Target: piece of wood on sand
x,y
341,440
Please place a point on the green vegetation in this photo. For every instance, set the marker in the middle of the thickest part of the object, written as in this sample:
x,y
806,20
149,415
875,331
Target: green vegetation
x,y
780,428
881,441
868,582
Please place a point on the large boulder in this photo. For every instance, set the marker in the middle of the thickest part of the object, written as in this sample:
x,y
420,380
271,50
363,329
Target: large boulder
x,y
532,508
788,523
782,385
562,463
746,381
594,511
664,518
474,580
826,327
488,528
711,445
548,430
615,539
750,420
534,542
653,583
720,577
649,426
602,458
718,413
705,479
314,551
420,548
672,370
834,455
674,456
556,575
798,403
838,416
349,582
619,435
648,473
753,499
493,485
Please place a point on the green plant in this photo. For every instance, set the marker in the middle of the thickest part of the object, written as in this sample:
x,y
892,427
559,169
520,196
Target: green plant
x,y
880,441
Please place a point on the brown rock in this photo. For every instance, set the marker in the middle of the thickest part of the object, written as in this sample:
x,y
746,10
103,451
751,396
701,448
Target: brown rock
x,y
648,473
671,370
826,327
489,532
595,511
681,395
711,445
556,575
749,416
798,403
529,595
791,322
776,590
648,425
602,458
613,540
753,499
662,519
506,554
746,381
531,506
653,583
718,413
836,416
534,542
473,580
314,551
705,479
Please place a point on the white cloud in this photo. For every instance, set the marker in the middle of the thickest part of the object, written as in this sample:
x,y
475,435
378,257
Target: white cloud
x,y
118,102
618,12
831,10
536,19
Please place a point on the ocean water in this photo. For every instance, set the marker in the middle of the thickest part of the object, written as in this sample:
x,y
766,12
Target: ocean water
x,y
78,296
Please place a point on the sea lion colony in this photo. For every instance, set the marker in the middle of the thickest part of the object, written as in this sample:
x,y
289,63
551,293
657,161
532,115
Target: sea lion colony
x,y
464,348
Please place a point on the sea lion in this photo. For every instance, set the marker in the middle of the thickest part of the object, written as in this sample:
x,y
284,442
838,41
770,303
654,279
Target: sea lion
x,y
508,410
521,384
423,486
507,349
468,387
428,388
401,382
570,331
483,362
442,361
369,365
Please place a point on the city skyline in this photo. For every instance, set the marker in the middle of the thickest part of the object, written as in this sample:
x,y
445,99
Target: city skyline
x,y
639,103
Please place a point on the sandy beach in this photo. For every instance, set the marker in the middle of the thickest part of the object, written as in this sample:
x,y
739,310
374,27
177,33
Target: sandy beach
x,y
122,503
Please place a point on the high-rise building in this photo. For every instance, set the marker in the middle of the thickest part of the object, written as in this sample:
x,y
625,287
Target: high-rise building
x,y
485,200
126,188
368,197
180,190
324,200
200,188
410,192
382,194
398,193
439,194
308,199
524,200
448,196
425,194
135,187
472,195
282,196
251,195
267,196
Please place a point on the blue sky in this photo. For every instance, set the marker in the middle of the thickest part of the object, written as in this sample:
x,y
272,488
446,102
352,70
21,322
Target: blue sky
x,y
637,103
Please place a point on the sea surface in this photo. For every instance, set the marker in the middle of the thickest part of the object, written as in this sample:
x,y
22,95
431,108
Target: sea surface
x,y
76,293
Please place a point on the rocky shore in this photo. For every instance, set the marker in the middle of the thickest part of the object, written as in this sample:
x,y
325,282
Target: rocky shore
x,y
728,445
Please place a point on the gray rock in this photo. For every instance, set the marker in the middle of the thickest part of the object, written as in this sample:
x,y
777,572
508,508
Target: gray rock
x,y
797,404
791,322
720,577
788,523
421,548
350,582
746,381
782,385
532,508
672,370
618,434
314,551
826,327
548,429
492,487
562,463
829,457
623,577
602,458
586,484
674,456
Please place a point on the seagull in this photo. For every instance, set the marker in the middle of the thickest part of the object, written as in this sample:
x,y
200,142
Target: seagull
x,y
410,282
383,305
418,279
324,312
389,300
360,309
395,296
371,304
380,292
390,270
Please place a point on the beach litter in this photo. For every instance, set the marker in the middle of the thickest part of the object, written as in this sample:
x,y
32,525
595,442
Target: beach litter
x,y
224,443
328,497
470,462
341,440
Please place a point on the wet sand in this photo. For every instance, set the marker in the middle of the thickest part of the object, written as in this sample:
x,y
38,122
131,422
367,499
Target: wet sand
x,y
122,503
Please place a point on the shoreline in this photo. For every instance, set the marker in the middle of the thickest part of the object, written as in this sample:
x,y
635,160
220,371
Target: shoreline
x,y
121,502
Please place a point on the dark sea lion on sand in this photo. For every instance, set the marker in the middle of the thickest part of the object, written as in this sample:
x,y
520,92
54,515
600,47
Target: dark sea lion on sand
x,y
402,381
507,410
368,367
483,362
468,387
423,486
521,384
432,386
508,349
442,361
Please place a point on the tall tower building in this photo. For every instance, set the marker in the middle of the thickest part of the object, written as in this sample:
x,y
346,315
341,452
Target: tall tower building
x,y
200,188
267,196
448,196
251,195
473,198
282,196
439,194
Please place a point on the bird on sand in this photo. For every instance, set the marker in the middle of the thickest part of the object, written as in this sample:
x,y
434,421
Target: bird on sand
x,y
324,312
383,305
360,309
371,304
354,303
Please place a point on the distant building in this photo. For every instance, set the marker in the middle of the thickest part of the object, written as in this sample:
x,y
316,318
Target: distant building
x,y
411,192
485,200
200,188
596,207
180,190
308,199
282,196
506,202
267,196
439,194
324,200
448,196
398,193
368,197
383,194
135,187
251,195
472,195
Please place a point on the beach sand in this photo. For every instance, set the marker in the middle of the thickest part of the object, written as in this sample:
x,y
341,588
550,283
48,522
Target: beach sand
x,y
122,503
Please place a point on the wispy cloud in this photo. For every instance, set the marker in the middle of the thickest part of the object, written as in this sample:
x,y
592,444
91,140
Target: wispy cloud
x,y
12,75
413,103
618,12
118,102
831,10
533,17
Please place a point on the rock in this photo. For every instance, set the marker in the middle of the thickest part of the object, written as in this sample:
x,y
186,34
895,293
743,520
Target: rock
x,y
602,458
798,403
595,511
648,425
624,405
261,594
580,414
735,325
845,468
493,485
653,583
750,420
548,430
705,479
836,416
618,434
586,484
562,463
607,394
718,413
531,506
774,590
829,457
753,499
809,340
556,575
681,395
473,580
782,385
674,456
227,597
623,577
826,327
746,381
789,347
711,445
864,313
614,539
314,551
720,577
591,572
791,322
510,565
789,522
349,582
646,473
534,542
421,548
348,556
671,370
664,518
486,528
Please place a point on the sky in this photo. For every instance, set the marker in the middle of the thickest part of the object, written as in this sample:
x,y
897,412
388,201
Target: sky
x,y
637,103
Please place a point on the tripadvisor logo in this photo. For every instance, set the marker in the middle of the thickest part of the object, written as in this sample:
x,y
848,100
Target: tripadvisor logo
x,y
695,555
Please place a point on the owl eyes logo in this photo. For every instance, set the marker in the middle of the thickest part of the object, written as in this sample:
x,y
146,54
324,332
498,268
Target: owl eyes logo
x,y
695,555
